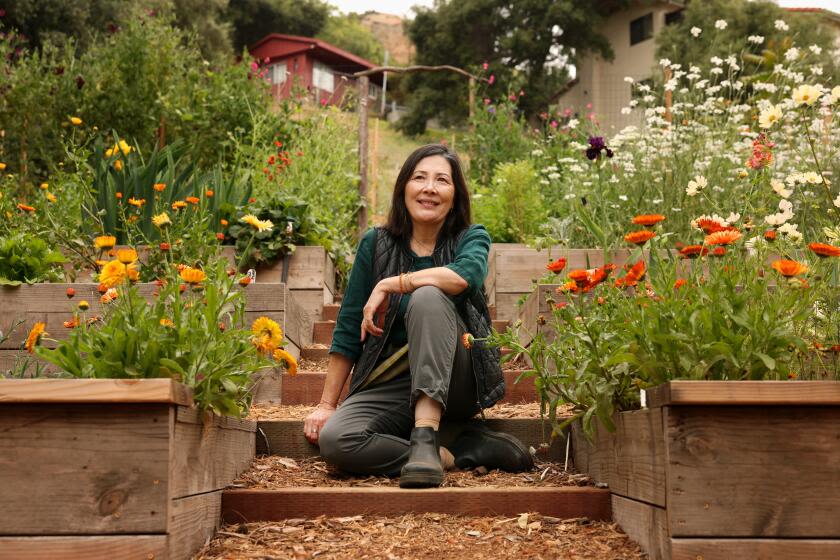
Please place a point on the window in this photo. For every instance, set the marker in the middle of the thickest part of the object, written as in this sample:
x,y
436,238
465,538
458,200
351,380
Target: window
x,y
322,77
641,29
277,75
673,17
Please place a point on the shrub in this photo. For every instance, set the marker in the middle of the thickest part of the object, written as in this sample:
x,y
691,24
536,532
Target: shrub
x,y
512,209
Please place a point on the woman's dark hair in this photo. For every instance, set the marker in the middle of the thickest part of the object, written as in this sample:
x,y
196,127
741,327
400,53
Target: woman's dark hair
x,y
460,217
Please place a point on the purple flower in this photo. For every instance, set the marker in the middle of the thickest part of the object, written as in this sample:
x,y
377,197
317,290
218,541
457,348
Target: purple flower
x,y
597,142
80,82
596,146
491,109
592,153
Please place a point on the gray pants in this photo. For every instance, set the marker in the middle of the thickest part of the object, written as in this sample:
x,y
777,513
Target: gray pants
x,y
369,432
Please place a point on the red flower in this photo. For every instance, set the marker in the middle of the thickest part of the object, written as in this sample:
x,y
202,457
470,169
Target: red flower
x,y
824,250
709,225
770,235
557,266
718,252
165,246
70,293
692,251
633,276
220,236
680,283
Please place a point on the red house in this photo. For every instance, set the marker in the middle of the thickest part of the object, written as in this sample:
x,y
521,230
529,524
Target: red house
x,y
324,70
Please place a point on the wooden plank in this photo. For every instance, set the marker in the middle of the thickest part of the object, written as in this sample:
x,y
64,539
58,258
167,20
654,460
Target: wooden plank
x,y
646,524
84,469
294,321
517,268
793,393
754,549
638,466
310,304
753,471
192,523
94,391
273,505
507,304
309,268
128,547
208,451
595,458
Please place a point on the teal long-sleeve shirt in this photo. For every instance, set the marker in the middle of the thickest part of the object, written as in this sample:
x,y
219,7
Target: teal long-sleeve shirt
x,y
470,263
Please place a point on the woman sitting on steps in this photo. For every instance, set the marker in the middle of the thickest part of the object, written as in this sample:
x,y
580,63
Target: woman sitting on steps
x,y
415,288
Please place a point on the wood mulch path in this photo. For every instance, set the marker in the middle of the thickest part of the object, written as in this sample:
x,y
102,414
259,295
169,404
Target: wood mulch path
x,y
273,472
426,536
266,411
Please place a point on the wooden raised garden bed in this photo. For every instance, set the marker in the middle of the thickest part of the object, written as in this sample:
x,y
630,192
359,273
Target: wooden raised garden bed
x,y
105,468
725,469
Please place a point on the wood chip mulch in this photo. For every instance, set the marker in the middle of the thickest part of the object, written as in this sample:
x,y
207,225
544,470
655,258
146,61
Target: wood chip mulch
x,y
267,411
272,472
426,536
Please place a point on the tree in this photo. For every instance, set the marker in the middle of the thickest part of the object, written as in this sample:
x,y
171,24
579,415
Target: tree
x,y
527,45
347,32
254,19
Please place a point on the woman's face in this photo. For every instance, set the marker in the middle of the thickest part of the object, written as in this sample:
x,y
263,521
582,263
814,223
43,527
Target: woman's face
x,y
430,191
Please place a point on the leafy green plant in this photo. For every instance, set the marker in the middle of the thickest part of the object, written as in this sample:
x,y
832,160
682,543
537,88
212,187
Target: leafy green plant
x,y
512,209
24,258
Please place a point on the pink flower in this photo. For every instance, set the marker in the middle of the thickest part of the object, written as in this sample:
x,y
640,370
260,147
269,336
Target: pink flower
x,y
521,93
492,79
553,124
254,66
485,65
265,60
567,112
486,101
512,97
591,116
589,105
324,102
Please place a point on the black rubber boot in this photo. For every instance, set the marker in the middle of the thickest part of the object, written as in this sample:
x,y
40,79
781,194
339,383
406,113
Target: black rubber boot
x,y
479,446
423,469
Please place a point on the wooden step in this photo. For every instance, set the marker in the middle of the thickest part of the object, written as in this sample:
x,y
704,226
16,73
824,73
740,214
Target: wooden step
x,y
315,352
306,387
285,437
330,312
273,505
322,332
492,310
500,324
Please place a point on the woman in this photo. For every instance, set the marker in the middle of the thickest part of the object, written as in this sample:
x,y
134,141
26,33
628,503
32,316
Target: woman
x,y
415,288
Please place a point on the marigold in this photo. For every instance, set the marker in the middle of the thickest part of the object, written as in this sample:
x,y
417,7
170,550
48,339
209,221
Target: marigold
x,y
770,235
161,220
467,340
179,204
639,237
256,223
824,250
126,256
193,199
209,193
267,335
70,293
159,187
579,276
72,324
75,121
192,275
557,266
286,360
648,220
723,237
105,242
165,322
113,274
34,336
109,296
788,268
680,283
138,202
708,225
26,207
83,305
692,251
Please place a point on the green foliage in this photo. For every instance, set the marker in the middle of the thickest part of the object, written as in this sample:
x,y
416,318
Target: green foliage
x,y
175,335
498,134
512,209
346,32
254,19
292,223
24,258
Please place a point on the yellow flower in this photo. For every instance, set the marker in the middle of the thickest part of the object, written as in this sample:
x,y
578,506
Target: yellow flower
x,y
105,242
109,296
267,335
2,166
121,146
161,220
83,305
286,360
76,121
807,94
257,224
167,322
113,274
51,197
192,275
138,202
35,336
118,165
133,273
109,152
159,186
178,204
45,186
770,116
126,256
835,96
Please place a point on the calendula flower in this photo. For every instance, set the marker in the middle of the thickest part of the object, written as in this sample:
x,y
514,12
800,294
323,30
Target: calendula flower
x,y
178,205
267,335
34,336
557,266
118,165
244,281
824,250
648,220
104,242
161,220
770,235
223,222
2,166
807,94
138,202
52,198
680,283
467,340
220,236
126,256
209,193
579,277
286,360
75,121
692,251
770,116
44,186
192,199
109,296
113,274
634,275
159,187
83,305
165,246
724,237
72,324
256,223
166,322
25,207
640,237
789,268
192,275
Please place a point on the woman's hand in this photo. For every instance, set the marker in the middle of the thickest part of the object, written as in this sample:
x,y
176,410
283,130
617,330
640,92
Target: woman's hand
x,y
314,423
373,313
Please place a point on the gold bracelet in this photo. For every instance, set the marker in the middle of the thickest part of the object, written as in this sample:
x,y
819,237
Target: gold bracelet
x,y
409,283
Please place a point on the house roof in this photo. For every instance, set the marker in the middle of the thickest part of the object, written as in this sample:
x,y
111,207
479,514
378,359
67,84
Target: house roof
x,y
339,59
820,11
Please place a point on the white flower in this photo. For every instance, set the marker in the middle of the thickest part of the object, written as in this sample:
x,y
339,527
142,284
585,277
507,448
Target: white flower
x,y
716,70
807,94
696,31
757,39
664,62
837,201
733,217
622,197
629,79
720,24
626,110
779,188
791,230
835,95
792,54
717,61
811,177
816,49
696,185
573,123
770,116
781,25
816,70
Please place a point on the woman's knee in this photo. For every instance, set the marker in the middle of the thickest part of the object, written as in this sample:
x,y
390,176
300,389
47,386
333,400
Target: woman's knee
x,y
428,297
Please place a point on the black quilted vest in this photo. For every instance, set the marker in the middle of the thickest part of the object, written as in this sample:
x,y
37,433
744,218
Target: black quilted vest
x,y
390,258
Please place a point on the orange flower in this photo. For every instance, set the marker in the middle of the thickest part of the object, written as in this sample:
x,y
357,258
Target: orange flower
x,y
557,266
26,207
570,286
165,246
138,202
467,340
209,193
118,195
633,276
70,293
723,237
178,204
159,186
71,324
224,222
648,220
192,275
220,236
244,281
108,296
788,268
709,225
692,251
286,360
34,336
770,235
824,250
192,199
580,277
126,256
639,237
680,283
718,252
165,322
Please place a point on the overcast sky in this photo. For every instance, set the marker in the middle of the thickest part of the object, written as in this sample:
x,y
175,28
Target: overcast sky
x,y
403,7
